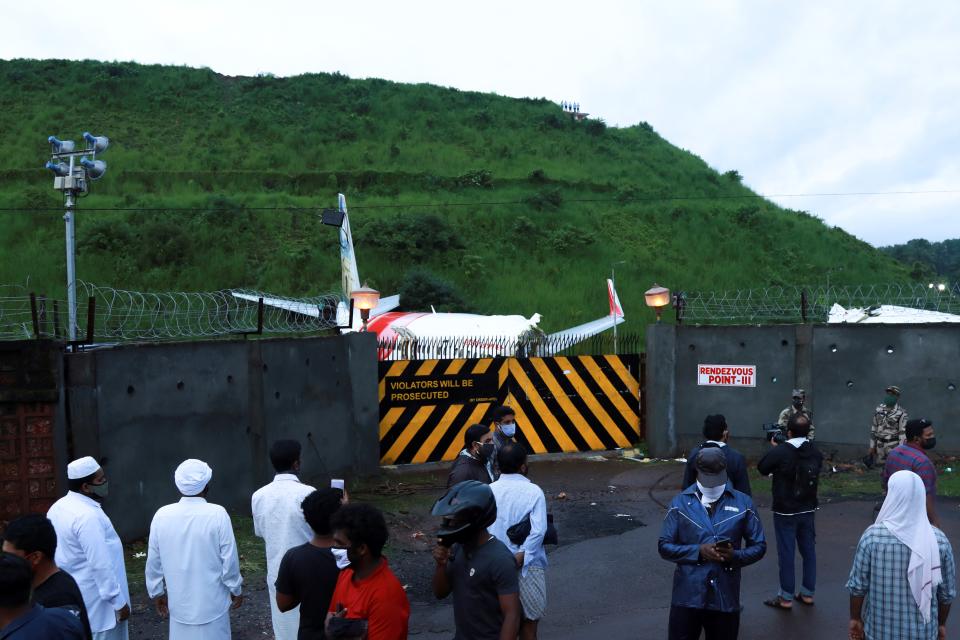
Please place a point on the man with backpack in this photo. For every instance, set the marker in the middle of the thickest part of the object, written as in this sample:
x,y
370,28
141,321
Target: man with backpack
x,y
795,465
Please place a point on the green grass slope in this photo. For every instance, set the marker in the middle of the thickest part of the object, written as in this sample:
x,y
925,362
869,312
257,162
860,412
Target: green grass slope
x,y
519,208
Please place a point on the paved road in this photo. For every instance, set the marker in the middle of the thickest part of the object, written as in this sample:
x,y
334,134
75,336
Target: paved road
x,y
617,587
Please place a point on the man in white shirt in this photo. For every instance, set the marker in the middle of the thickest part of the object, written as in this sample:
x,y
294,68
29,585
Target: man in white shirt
x,y
89,549
518,499
278,519
193,570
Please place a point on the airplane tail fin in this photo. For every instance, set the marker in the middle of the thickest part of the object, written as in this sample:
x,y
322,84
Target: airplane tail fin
x,y
348,259
615,309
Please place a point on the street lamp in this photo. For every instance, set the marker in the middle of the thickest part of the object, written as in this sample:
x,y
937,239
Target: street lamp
x,y
365,299
657,297
72,180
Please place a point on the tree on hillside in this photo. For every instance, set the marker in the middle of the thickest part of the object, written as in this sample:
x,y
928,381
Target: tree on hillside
x,y
421,289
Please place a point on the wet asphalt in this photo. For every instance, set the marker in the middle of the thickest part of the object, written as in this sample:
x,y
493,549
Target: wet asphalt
x,y
616,586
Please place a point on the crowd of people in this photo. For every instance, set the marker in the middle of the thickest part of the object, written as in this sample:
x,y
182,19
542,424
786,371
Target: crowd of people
x,y
903,577
63,575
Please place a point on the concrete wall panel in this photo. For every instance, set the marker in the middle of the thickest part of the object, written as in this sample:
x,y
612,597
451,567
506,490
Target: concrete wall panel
x,y
844,369
149,407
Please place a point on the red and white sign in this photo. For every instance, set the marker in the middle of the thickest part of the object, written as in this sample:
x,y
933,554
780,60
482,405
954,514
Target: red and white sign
x,y
727,375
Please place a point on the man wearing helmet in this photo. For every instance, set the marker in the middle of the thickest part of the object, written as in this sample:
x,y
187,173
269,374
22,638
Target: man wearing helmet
x,y
474,566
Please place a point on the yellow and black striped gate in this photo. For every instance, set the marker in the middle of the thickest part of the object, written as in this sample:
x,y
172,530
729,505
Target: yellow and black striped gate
x,y
575,403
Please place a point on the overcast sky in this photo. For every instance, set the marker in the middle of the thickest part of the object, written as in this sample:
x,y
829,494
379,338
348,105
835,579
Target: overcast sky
x,y
806,97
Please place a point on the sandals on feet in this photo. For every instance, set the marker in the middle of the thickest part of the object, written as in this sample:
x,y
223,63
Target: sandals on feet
x,y
804,600
778,603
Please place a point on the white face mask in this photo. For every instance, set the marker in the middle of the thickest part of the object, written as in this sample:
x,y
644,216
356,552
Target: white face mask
x,y
710,494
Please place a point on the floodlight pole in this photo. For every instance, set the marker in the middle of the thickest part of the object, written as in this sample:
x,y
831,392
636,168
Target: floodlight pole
x,y
72,184
71,236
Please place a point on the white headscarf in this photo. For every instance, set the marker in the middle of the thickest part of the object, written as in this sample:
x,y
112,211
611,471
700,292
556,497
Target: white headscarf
x,y
904,514
192,476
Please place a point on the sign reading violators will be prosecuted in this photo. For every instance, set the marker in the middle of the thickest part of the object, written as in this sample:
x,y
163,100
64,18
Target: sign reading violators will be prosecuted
x,y
727,375
460,388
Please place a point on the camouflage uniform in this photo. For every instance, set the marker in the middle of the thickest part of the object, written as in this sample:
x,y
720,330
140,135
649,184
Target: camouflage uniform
x,y
790,411
888,429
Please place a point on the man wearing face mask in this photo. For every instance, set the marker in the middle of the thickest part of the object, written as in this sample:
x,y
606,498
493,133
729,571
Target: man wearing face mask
x,y
475,567
888,427
89,549
912,456
367,590
475,461
711,531
505,431
797,405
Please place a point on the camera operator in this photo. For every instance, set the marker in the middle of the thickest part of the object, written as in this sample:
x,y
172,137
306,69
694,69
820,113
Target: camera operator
x,y
795,465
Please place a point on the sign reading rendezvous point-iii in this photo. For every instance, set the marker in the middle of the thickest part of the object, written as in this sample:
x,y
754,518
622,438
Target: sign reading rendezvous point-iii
x,y
727,375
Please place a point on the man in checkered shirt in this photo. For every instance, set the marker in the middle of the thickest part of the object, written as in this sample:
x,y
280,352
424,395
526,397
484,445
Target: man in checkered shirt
x,y
903,577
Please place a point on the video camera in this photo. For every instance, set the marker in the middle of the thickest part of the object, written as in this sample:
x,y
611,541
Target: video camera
x,y
773,431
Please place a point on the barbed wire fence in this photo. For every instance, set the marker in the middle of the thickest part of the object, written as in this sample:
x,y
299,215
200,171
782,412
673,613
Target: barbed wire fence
x,y
122,315
813,303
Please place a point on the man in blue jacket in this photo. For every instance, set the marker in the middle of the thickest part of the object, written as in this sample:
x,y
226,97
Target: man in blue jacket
x,y
716,433
711,531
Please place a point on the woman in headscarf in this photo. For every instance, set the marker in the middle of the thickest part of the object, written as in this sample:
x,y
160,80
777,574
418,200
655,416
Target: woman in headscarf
x,y
903,577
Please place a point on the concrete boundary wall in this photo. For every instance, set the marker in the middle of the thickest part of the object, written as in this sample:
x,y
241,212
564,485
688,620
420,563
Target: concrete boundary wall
x,y
844,369
142,409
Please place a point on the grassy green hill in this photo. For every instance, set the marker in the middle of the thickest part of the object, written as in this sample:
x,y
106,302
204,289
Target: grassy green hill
x,y
514,204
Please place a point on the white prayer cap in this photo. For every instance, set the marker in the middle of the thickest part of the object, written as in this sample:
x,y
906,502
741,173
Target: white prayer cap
x,y
192,476
82,468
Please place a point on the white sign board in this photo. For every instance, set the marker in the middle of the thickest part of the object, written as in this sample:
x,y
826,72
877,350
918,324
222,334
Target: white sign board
x,y
727,375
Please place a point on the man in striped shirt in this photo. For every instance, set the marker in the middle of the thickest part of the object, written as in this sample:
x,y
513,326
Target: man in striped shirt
x,y
912,456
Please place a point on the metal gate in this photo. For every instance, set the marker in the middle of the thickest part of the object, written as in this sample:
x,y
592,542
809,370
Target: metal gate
x,y
563,404
29,395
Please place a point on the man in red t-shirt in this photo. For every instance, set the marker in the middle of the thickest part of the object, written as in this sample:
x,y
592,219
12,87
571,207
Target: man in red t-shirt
x,y
368,589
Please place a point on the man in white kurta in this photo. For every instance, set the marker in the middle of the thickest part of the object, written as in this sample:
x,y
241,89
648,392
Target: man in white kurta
x,y
89,549
193,570
278,519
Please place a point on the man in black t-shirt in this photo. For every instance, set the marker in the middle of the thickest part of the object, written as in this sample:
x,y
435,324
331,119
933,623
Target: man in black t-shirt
x,y
33,538
476,567
308,573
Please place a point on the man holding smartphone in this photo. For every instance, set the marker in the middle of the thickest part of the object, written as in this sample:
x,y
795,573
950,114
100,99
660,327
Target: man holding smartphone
x,y
711,531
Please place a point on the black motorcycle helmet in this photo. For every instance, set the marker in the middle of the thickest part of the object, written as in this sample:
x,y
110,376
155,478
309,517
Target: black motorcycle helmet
x,y
467,507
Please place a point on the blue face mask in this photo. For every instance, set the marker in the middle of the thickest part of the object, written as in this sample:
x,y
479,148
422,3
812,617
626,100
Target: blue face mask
x,y
508,429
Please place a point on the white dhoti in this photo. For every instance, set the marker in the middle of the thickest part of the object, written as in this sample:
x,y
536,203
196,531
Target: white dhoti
x,y
218,629
119,632
286,626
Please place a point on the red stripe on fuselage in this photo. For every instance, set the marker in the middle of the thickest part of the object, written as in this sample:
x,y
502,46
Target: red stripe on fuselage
x,y
383,325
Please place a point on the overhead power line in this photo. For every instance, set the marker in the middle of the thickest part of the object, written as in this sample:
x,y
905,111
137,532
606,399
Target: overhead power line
x,y
501,203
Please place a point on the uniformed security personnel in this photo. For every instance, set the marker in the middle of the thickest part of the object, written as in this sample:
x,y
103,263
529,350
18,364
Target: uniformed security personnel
x,y
797,405
889,425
